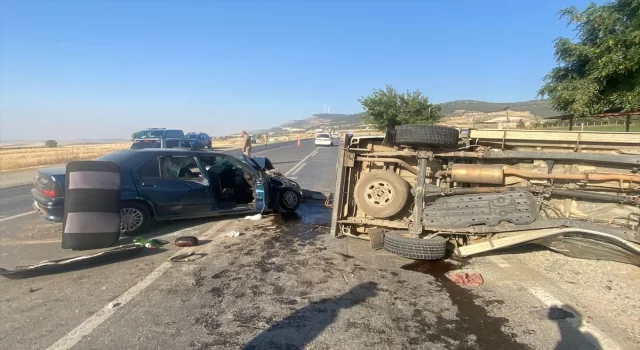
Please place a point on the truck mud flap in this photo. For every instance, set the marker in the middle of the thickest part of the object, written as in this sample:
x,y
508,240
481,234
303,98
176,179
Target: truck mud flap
x,y
598,244
586,248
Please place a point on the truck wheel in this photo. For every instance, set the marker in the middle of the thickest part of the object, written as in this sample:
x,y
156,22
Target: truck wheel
x,y
415,248
426,135
382,194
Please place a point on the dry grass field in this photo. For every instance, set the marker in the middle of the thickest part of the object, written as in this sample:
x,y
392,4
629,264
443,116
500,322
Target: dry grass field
x,y
13,158
25,156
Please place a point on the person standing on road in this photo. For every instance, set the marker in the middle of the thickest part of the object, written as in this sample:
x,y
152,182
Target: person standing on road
x,y
246,143
266,139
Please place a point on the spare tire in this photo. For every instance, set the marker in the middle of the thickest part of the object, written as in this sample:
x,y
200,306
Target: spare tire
x,y
434,248
426,135
381,193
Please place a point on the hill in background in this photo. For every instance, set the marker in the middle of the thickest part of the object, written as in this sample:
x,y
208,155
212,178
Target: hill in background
x,y
462,113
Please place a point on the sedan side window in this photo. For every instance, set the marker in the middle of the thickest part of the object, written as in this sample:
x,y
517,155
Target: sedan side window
x,y
180,168
150,169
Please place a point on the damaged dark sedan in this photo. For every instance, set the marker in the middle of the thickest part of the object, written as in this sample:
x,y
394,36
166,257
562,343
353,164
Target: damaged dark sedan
x,y
165,184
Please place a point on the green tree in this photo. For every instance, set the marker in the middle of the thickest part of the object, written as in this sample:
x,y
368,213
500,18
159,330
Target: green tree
x,y
601,69
388,108
51,143
520,124
134,136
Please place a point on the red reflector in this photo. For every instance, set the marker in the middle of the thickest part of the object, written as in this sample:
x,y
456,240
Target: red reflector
x,y
48,193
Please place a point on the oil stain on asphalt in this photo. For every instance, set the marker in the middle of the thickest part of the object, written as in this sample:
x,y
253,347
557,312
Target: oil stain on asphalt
x,y
473,319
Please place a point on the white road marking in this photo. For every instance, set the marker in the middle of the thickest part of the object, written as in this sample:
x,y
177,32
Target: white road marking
x,y
90,324
579,323
300,162
18,216
299,168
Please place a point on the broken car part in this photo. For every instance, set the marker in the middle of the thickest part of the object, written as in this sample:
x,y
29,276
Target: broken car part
x,y
186,241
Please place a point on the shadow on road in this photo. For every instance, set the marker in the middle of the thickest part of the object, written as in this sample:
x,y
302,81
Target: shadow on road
x,y
305,324
569,323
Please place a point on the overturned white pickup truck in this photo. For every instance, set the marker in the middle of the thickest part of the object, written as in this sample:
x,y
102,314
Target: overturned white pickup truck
x,y
421,191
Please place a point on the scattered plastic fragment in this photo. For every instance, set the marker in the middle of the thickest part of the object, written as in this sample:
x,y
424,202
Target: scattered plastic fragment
x,y
186,241
184,257
464,279
152,243
233,234
113,305
253,217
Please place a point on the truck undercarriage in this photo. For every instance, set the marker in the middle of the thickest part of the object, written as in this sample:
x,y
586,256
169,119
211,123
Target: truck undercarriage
x,y
421,191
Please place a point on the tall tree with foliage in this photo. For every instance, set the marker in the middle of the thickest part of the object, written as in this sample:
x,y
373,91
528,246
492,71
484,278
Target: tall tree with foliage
x,y
387,108
601,68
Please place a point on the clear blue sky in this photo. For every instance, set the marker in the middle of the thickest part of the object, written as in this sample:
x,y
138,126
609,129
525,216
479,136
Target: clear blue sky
x,y
103,69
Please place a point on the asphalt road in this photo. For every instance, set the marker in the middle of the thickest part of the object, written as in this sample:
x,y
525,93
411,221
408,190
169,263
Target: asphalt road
x,y
15,200
292,283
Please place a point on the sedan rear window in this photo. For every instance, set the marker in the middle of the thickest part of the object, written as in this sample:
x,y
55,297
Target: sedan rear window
x,y
142,144
323,136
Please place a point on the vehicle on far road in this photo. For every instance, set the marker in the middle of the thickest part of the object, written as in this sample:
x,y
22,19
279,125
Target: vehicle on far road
x,y
166,143
166,184
159,133
204,138
323,140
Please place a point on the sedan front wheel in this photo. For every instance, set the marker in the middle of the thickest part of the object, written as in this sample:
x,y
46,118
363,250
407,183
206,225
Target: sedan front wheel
x,y
288,201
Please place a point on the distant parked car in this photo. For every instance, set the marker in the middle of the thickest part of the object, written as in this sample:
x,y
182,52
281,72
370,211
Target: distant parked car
x,y
205,139
166,143
166,184
159,133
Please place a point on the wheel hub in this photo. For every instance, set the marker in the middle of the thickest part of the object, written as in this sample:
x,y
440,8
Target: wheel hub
x,y
379,193
289,199
130,219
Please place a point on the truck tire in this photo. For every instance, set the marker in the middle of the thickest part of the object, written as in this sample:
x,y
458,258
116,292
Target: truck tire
x,y
426,135
415,248
382,193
